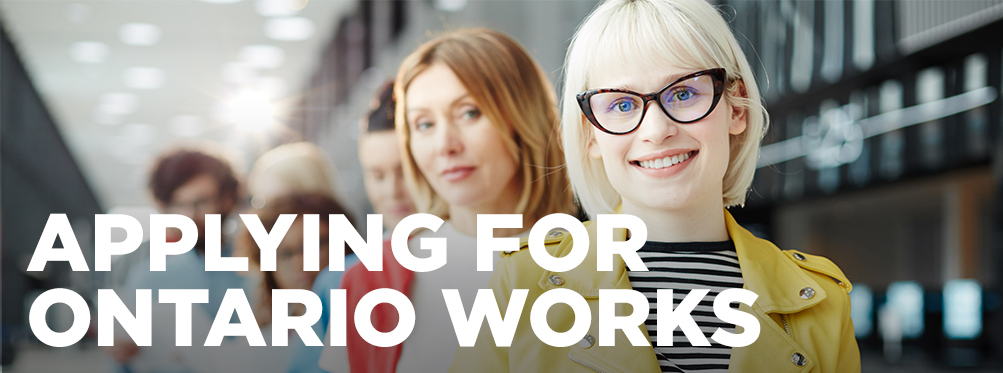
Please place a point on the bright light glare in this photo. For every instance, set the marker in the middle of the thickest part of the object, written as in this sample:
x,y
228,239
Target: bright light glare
x,y
906,299
289,28
276,8
139,34
962,309
249,109
272,87
144,77
262,56
450,5
89,52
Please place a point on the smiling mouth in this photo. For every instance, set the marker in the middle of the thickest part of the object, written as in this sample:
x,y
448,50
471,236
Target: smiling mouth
x,y
665,162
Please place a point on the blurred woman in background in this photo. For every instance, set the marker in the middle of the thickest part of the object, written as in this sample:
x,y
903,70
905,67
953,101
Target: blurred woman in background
x,y
289,269
477,121
300,167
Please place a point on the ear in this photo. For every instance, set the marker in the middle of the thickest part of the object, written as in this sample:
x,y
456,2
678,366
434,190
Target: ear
x,y
592,147
739,114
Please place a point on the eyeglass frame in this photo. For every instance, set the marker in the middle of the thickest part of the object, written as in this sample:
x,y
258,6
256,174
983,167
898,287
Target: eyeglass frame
x,y
584,99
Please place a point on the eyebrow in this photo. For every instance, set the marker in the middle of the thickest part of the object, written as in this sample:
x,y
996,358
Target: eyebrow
x,y
451,103
665,80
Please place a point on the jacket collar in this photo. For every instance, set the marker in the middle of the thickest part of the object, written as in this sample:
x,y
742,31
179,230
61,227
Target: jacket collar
x,y
766,271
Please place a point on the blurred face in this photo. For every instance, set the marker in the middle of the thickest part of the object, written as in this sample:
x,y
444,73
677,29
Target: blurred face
x,y
194,199
665,165
381,169
458,150
289,273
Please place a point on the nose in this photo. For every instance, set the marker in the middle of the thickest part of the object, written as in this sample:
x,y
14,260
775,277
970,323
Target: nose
x,y
448,139
656,126
396,186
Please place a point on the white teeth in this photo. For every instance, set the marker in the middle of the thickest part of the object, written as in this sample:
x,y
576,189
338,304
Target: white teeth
x,y
665,162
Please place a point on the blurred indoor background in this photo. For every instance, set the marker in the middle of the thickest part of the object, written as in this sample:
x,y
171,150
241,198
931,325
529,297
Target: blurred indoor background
x,y
884,152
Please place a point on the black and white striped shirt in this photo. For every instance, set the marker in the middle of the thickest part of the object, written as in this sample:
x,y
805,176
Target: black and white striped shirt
x,y
683,267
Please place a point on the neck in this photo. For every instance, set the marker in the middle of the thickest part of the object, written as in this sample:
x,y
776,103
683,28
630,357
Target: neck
x,y
699,222
464,218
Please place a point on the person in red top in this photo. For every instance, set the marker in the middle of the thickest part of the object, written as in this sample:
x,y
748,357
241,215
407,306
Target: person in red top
x,y
477,119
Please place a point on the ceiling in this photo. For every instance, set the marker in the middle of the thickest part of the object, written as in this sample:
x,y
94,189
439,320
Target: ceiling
x,y
121,93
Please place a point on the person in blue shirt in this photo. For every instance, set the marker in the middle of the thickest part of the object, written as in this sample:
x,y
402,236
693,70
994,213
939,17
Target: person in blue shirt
x,y
192,182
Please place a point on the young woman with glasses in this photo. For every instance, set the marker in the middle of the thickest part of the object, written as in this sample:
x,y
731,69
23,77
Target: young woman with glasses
x,y
477,120
662,119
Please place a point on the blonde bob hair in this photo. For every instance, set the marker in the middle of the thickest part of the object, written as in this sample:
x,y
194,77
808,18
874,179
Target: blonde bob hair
x,y
295,167
690,34
515,95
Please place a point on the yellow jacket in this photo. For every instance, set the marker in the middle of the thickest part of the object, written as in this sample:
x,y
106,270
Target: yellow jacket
x,y
799,331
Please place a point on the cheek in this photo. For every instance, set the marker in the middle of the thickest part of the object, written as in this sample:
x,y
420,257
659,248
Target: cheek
x,y
490,148
423,154
612,148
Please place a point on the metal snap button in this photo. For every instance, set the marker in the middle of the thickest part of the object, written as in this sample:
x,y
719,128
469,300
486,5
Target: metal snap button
x,y
798,359
556,280
587,342
800,257
555,234
807,293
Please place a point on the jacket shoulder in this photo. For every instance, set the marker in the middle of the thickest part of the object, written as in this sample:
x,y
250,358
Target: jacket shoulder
x,y
821,266
551,241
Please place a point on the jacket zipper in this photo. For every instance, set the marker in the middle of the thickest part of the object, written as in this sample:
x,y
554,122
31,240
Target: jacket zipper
x,y
584,364
783,318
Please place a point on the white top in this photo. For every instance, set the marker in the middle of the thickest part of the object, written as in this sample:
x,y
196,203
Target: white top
x,y
432,343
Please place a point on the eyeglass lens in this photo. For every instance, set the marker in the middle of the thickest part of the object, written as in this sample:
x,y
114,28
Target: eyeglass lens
x,y
685,101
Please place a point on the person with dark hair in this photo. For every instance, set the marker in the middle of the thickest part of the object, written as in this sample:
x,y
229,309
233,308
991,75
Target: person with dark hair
x,y
383,173
379,153
193,183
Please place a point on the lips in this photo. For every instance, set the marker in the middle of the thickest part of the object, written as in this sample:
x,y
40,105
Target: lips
x,y
455,174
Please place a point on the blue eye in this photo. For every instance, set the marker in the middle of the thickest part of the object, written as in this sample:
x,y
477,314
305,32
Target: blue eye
x,y
681,97
625,105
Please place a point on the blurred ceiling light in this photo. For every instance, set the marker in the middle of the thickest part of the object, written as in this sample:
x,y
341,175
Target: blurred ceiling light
x,y
89,51
139,135
78,13
289,28
144,77
237,73
105,118
262,56
272,87
277,8
139,34
118,103
450,5
186,125
249,109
